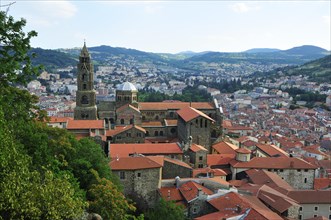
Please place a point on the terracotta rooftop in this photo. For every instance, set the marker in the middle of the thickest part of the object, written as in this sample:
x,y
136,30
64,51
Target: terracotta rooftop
x,y
133,163
120,129
152,124
196,148
225,148
189,113
126,106
274,163
271,150
85,124
219,159
170,122
53,119
144,106
171,194
124,150
243,150
311,196
189,190
322,183
233,204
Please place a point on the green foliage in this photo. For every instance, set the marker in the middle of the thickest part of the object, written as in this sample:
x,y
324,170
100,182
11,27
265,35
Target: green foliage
x,y
15,62
108,201
189,94
166,210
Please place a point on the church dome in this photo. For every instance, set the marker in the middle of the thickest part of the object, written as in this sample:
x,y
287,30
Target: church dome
x,y
127,86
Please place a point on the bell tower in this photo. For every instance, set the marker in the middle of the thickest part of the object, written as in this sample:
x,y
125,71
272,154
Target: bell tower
x,y
86,108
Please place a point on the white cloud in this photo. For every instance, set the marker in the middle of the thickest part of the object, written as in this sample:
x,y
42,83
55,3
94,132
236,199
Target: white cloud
x,y
57,9
241,7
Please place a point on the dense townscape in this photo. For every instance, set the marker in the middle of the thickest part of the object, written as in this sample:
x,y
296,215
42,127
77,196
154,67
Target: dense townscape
x,y
91,141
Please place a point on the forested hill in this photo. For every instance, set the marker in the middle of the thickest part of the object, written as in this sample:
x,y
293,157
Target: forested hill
x,y
105,55
317,70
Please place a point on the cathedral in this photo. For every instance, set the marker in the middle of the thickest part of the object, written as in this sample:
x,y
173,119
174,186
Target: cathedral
x,y
154,122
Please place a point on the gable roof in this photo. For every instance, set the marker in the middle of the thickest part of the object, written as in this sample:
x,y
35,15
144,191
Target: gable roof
x,y
190,190
85,124
120,129
124,150
196,148
133,163
145,106
189,113
271,150
224,147
273,163
127,106
171,194
219,159
311,196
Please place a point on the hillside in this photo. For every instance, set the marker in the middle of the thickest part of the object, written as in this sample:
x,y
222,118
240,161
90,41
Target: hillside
x,y
317,70
247,61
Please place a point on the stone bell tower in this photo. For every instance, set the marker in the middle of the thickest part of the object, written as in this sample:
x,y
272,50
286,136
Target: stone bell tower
x,y
86,108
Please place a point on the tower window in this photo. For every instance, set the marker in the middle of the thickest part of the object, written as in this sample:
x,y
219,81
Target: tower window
x,y
84,99
84,77
84,86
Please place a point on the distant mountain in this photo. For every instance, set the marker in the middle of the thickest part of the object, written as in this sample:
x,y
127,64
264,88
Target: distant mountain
x,y
317,70
306,50
52,59
261,50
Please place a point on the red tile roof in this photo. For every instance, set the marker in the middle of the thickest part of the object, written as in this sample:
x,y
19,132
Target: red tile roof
x,y
53,119
85,124
225,148
120,129
144,106
189,190
133,163
152,124
124,150
322,183
273,163
219,159
171,194
243,150
189,113
170,122
311,196
196,148
127,106
271,150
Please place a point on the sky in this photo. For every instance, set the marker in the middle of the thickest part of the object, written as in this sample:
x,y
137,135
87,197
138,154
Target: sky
x,y
176,26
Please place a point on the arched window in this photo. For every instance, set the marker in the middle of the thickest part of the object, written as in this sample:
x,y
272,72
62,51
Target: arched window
x,y
156,133
84,76
157,117
84,86
84,99
122,121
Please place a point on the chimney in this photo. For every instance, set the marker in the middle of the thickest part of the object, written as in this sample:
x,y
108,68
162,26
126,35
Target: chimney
x,y
200,193
292,164
177,181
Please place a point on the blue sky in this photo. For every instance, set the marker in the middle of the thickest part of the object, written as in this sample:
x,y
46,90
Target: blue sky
x,y
175,26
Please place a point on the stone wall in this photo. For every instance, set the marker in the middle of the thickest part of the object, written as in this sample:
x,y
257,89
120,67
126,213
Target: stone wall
x,y
171,170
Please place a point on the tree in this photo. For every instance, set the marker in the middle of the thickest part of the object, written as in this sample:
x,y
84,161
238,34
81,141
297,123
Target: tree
x,y
15,62
166,210
107,201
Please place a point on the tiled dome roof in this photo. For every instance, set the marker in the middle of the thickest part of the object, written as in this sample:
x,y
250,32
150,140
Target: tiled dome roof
x,y
127,86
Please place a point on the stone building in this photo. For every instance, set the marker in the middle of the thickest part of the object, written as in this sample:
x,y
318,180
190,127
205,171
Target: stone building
x,y
194,126
140,177
198,156
296,172
86,108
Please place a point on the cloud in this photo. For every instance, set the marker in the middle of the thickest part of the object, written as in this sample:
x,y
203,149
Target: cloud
x,y
241,7
57,9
